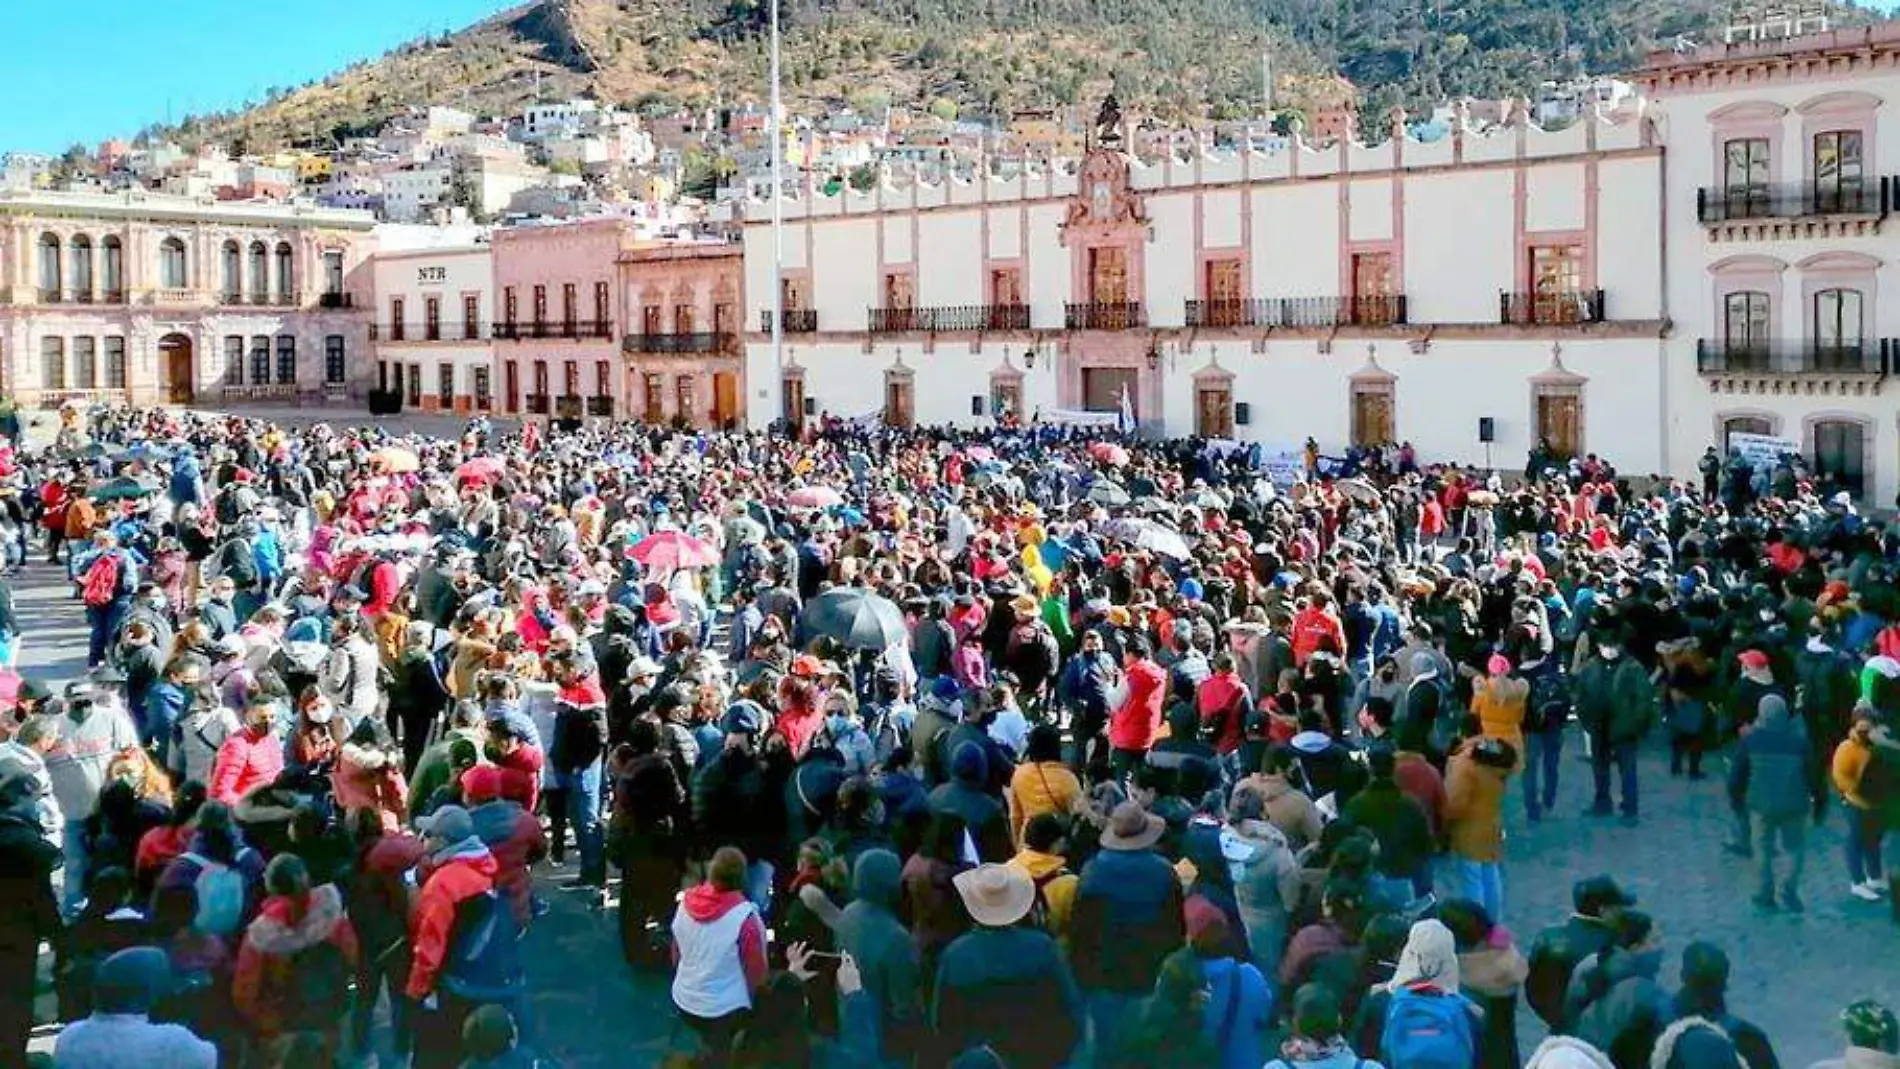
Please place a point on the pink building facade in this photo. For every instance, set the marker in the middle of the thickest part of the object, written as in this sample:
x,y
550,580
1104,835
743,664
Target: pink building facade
x,y
145,298
681,346
555,343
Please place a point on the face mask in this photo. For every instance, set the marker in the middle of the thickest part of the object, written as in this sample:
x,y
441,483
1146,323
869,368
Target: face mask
x,y
1767,615
1611,653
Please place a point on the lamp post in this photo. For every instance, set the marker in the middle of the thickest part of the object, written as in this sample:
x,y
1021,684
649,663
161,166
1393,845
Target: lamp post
x,y
778,208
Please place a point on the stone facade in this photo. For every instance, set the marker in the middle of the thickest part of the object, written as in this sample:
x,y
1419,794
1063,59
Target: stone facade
x,y
683,304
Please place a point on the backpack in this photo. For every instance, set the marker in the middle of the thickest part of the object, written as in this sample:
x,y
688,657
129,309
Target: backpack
x,y
322,987
221,897
1427,1032
484,961
1549,704
1039,911
102,581
1880,780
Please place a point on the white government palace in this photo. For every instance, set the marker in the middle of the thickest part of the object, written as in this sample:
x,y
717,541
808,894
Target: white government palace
x,y
1714,256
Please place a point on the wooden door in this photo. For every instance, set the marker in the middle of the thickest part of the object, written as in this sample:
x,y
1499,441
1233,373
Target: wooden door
x,y
511,386
1006,400
1372,288
1222,286
1371,418
1214,412
1102,389
653,393
793,389
180,370
1559,423
1108,274
725,398
899,404
685,405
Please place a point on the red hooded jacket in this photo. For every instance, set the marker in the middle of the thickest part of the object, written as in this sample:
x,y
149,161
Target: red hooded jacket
x,y
454,882
264,987
1133,725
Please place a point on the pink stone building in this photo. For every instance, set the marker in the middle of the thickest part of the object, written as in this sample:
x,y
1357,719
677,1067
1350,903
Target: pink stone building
x,y
147,298
683,302
554,331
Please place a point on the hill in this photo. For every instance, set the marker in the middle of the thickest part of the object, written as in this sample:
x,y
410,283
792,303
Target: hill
x,y
1171,59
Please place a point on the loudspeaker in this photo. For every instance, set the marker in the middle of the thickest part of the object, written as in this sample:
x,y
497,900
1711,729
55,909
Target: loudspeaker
x,y
976,405
811,406
1487,429
1243,413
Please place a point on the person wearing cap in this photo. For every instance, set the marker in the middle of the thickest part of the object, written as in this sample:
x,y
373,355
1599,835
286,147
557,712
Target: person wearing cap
x,y
1873,1038
120,1033
1004,984
1776,777
1615,1002
1559,949
1128,913
738,800
91,731
457,889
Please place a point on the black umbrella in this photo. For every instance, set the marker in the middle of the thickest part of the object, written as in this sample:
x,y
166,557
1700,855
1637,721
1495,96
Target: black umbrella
x,y
856,617
123,488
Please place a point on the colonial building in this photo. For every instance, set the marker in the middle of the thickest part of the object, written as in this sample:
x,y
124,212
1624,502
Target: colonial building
x,y
554,333
683,301
1472,295
1782,272
143,297
433,328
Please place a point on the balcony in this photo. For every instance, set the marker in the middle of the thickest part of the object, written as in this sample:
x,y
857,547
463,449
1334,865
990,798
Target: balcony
x,y
1795,200
702,342
336,300
966,317
112,297
175,295
229,299
600,406
1553,309
536,404
1296,313
471,330
578,329
279,392
1863,359
1104,315
51,296
261,300
288,300
793,320
82,296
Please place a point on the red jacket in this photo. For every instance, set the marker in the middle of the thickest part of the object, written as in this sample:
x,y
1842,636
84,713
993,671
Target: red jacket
x,y
1133,725
1311,628
264,987
523,767
454,882
1222,703
245,763
514,836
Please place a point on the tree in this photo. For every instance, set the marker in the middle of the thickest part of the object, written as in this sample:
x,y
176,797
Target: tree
x,y
1284,118
864,177
944,108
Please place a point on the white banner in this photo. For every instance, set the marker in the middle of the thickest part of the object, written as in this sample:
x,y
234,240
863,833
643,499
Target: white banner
x,y
1763,450
1078,417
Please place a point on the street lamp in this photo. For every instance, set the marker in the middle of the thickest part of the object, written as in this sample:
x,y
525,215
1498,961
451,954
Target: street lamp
x,y
1029,358
778,207
1154,357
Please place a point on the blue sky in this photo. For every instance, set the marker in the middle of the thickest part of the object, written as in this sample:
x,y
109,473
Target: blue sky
x,y
87,71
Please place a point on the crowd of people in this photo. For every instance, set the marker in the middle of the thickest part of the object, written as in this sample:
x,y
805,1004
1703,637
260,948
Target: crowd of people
x,y
907,748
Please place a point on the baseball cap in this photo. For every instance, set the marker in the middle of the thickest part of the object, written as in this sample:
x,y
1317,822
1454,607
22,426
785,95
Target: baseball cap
x,y
1753,659
742,718
1593,895
451,824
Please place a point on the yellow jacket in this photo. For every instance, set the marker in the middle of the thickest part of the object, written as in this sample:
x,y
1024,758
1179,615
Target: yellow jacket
x,y
1850,763
1037,788
1057,886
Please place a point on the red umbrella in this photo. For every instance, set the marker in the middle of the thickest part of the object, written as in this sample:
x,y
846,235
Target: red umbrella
x,y
1108,453
814,497
480,469
672,550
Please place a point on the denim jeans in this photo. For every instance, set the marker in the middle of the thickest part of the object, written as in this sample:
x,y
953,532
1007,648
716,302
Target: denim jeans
x,y
1624,756
1481,882
580,792
1864,832
104,622
1791,832
72,847
1543,751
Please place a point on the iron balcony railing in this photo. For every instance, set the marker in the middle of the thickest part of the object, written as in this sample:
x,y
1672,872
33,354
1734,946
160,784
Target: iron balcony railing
x,y
1796,200
794,320
537,404
1104,315
336,300
51,296
584,328
112,297
1554,308
1718,356
966,317
716,341
260,300
229,298
288,299
600,406
1297,312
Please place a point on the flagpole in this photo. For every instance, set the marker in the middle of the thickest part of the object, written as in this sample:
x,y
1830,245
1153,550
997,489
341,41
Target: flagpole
x,y
778,220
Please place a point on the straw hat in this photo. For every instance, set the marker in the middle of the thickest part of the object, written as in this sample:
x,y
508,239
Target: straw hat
x,y
1130,827
996,896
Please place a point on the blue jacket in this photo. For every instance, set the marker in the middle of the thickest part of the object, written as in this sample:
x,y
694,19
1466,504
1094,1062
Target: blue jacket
x,y
1239,1007
1127,919
1775,771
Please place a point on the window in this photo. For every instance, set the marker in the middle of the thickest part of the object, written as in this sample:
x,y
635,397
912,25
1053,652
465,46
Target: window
x,y
395,318
900,294
682,319
260,360
1221,289
722,317
483,396
233,359
49,267
471,316
1837,172
230,270
654,389
115,362
1840,460
601,315
1735,425
53,363
171,264
541,377
333,271
286,360
1745,329
286,274
334,364
432,318
568,309
508,305
1108,275
1556,273
445,385
1373,302
414,377
603,380
1837,328
81,255
570,379
260,272
511,380
540,305
791,294
650,322
1745,177
1006,286
85,363
114,267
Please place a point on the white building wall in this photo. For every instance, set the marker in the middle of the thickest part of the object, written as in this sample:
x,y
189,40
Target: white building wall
x,y
1296,240
1457,260
1629,258
1170,269
949,273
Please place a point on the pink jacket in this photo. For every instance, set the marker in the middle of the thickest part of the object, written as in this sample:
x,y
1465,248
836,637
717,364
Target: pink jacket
x,y
245,762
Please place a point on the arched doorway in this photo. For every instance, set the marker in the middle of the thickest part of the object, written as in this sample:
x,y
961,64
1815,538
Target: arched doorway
x,y
181,370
